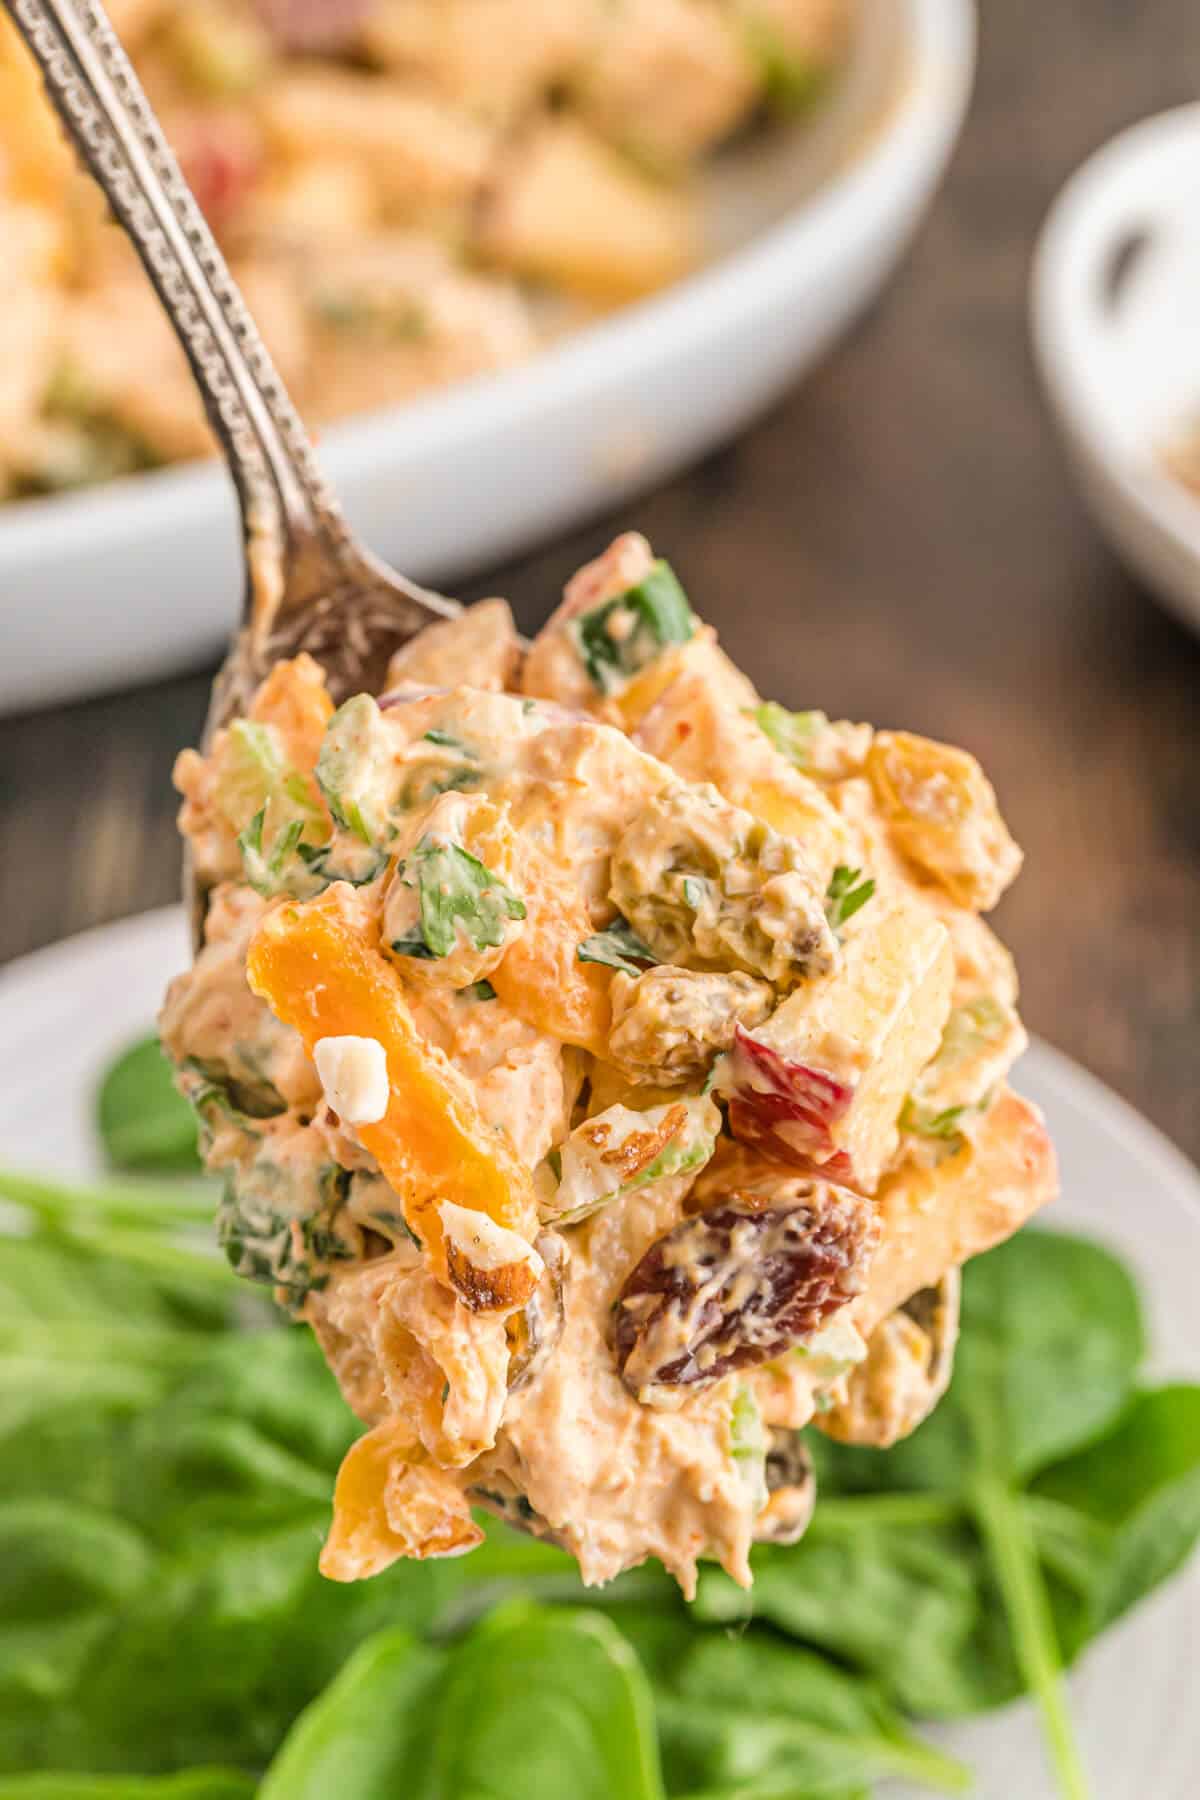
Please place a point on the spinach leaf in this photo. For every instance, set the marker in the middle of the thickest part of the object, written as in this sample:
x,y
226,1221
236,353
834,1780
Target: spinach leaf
x,y
533,1701
189,1784
857,1588
453,886
552,1703
618,638
368,1735
1139,1491
753,1709
144,1124
619,947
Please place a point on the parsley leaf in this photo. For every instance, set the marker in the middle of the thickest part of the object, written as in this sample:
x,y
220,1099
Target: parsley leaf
x,y
846,894
619,947
792,733
453,885
620,636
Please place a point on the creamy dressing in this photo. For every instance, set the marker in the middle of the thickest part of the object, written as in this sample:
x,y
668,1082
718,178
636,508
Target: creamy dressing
x,y
618,967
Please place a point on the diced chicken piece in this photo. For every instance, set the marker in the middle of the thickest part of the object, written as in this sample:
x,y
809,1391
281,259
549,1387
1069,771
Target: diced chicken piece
x,y
822,1083
704,883
136,373
942,813
216,1030
425,156
668,1024
668,78
314,201
522,1079
600,1502
567,209
704,726
133,20
479,649
453,46
395,315
30,346
36,162
935,1218
579,788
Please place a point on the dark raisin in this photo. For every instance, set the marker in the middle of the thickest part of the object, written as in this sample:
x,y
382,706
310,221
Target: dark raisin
x,y
791,1490
740,1283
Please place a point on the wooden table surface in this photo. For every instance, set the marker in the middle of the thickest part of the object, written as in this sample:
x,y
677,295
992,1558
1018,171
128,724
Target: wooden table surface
x,y
897,542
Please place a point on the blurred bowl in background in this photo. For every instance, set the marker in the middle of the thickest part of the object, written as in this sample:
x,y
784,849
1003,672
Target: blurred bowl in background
x,y
1115,311
140,578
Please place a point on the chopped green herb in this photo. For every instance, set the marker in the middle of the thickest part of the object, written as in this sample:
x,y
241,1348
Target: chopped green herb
x,y
354,767
619,947
447,740
621,636
791,82
846,894
453,886
479,990
944,1124
792,733
389,320
694,890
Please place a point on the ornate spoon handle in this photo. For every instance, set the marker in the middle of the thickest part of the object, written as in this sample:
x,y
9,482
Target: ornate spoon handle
x,y
295,534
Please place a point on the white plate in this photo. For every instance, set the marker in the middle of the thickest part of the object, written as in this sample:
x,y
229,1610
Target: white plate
x,y
141,577
1115,307
64,1011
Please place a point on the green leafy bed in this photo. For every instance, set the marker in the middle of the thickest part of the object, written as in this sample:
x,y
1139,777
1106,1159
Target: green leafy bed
x,y
168,1453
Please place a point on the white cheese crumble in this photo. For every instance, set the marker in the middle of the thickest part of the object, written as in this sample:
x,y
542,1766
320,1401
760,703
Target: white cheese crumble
x,y
353,1072
483,1243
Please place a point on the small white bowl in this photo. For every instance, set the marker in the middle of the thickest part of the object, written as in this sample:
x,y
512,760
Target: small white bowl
x,y
141,577
1115,311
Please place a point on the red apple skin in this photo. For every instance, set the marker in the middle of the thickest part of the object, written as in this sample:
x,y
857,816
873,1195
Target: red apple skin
x,y
767,1090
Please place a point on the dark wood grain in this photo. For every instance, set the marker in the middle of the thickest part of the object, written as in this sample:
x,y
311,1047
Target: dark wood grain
x,y
898,541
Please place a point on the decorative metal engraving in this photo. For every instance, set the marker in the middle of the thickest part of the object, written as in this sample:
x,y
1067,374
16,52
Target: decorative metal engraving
x,y
310,584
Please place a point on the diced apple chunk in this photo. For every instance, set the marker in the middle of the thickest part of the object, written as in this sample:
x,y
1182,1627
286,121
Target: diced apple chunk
x,y
480,648
822,1083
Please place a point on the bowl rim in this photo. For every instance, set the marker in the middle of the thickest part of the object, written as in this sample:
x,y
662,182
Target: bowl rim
x,y
1127,487
937,40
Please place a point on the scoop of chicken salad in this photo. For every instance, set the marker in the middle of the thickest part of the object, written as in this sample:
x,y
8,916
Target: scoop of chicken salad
x,y
609,1065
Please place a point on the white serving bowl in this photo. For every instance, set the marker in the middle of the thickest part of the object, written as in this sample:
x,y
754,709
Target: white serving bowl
x,y
141,577
1115,311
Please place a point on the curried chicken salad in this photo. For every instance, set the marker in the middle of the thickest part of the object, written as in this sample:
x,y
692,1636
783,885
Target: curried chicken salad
x,y
609,1065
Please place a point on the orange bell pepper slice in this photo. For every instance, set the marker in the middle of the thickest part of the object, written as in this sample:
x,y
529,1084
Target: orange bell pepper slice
x,y
319,967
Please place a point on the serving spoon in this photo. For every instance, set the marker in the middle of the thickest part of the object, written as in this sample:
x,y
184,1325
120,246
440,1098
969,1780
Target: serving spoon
x,y
309,583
